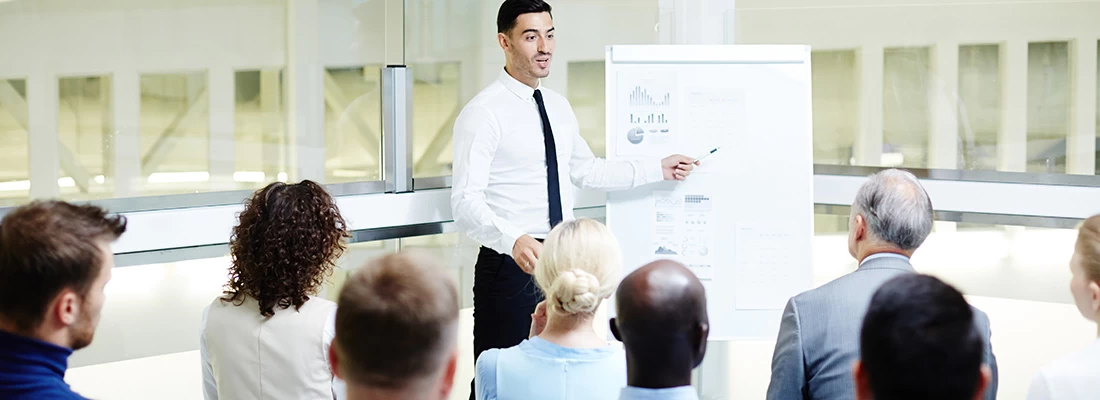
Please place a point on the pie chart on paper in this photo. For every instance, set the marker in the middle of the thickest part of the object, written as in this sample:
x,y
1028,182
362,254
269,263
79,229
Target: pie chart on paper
x,y
635,135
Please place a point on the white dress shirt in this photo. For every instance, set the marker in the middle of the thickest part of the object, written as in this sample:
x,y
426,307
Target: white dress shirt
x,y
499,188
246,349
1075,377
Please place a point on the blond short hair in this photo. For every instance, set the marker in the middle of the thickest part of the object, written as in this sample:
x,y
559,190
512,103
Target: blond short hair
x,y
580,265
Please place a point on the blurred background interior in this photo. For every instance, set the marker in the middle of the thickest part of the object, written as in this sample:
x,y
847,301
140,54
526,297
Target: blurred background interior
x,y
173,110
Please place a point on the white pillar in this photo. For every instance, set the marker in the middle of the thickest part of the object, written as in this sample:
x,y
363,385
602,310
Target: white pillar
x,y
305,100
867,149
45,144
695,21
1012,138
943,142
222,146
273,140
124,139
1081,143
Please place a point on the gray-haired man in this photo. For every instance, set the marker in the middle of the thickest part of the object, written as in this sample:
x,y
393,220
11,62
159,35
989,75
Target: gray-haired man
x,y
819,335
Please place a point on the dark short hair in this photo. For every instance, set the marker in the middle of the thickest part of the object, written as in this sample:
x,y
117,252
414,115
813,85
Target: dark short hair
x,y
919,341
46,247
396,321
285,244
510,10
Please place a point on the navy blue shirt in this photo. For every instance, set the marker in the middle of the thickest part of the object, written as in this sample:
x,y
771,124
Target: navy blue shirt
x,y
33,369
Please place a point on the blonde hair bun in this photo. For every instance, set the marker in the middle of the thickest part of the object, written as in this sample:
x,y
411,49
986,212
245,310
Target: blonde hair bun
x,y
579,267
577,291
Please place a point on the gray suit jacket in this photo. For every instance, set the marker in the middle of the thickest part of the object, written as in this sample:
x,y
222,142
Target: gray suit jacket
x,y
819,335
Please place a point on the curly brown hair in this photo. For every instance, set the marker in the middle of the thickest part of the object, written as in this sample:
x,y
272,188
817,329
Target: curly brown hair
x,y
285,244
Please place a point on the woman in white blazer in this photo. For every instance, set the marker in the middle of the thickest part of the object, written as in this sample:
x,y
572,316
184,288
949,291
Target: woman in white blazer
x,y
1078,376
267,337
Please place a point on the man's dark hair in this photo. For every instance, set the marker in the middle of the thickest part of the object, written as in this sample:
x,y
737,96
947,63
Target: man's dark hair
x,y
919,341
46,247
512,9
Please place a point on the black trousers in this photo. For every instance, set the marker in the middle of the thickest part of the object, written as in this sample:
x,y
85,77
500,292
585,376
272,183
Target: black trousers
x,y
504,298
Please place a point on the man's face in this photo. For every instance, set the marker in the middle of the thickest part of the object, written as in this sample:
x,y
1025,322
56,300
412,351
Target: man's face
x,y
530,45
83,330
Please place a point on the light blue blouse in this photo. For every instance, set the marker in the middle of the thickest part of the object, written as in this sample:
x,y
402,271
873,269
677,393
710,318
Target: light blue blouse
x,y
536,369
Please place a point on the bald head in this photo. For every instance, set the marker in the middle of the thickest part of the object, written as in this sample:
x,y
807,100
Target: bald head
x,y
661,318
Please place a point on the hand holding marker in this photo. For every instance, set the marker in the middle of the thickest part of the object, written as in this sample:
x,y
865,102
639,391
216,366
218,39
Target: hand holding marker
x,y
697,159
695,162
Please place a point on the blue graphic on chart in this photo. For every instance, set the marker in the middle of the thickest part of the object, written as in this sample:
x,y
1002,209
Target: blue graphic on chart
x,y
646,119
684,225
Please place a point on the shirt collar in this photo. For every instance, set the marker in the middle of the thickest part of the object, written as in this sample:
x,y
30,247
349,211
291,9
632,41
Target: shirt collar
x,y
883,255
28,357
675,393
516,87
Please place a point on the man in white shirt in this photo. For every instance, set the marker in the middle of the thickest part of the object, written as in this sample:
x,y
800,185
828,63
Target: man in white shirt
x,y
517,149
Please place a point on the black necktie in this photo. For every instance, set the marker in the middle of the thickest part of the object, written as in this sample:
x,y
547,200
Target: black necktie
x,y
553,190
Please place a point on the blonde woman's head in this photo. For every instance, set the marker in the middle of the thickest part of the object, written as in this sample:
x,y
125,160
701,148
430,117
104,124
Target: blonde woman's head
x,y
1085,267
580,265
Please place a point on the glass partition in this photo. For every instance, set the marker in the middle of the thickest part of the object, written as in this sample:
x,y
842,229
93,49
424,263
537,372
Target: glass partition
x,y
190,96
950,85
15,184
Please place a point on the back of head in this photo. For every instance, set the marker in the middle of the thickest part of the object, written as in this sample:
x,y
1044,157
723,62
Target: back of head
x,y
1088,247
396,322
919,342
47,247
579,266
896,207
661,316
512,9
285,244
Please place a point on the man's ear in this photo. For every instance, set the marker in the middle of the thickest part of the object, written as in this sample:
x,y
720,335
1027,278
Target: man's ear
x,y
984,381
502,40
702,331
449,375
66,309
860,228
615,330
334,360
863,385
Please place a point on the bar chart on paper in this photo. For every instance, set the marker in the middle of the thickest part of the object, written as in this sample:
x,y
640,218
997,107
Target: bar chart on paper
x,y
641,97
646,114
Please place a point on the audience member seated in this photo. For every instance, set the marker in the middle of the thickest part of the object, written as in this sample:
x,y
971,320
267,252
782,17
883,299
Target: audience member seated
x,y
919,342
564,358
397,330
1077,376
662,321
267,336
55,260
819,332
